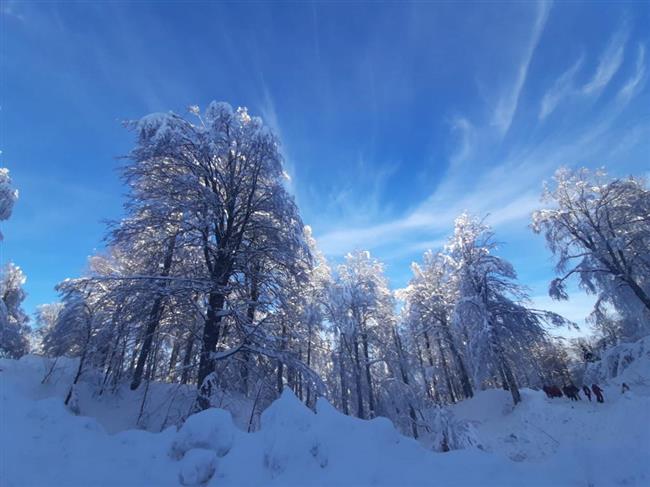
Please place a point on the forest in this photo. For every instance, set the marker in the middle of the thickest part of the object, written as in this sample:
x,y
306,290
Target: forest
x,y
212,280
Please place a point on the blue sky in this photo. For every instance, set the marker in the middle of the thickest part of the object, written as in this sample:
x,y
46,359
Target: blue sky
x,y
394,117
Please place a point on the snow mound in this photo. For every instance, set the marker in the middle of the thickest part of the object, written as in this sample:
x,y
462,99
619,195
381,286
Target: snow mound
x,y
197,466
212,429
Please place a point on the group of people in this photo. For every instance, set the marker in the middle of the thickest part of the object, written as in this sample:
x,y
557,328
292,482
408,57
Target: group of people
x,y
573,393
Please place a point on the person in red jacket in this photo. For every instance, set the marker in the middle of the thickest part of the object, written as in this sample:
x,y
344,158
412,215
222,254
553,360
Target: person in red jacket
x,y
598,392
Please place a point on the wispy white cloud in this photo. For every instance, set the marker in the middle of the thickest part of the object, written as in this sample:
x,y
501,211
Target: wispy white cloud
x,y
489,174
507,104
508,191
499,197
563,87
466,133
609,63
638,79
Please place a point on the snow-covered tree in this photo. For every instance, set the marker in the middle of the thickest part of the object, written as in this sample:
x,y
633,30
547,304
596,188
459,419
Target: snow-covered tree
x,y
430,299
449,432
47,316
360,306
490,311
599,230
13,319
220,181
8,195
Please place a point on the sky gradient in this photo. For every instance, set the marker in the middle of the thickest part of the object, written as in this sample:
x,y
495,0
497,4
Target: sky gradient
x,y
394,117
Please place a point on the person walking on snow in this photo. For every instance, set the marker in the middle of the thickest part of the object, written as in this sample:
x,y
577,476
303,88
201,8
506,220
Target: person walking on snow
x,y
587,392
598,392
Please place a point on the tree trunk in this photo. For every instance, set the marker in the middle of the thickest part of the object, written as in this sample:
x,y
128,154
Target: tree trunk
x,y
510,380
187,358
405,379
344,387
445,370
639,292
280,376
308,386
82,361
209,342
436,391
460,363
173,359
357,378
154,318
250,315
366,356
424,372
504,367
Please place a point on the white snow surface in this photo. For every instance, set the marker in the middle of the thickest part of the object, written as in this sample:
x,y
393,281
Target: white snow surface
x,y
541,442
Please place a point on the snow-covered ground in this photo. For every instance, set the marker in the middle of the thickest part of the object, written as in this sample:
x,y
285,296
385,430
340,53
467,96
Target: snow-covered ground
x,y
540,442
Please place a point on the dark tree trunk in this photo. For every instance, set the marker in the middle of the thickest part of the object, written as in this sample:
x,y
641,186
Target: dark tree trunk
x,y
154,318
173,359
280,375
82,361
344,386
308,386
405,379
427,343
639,292
366,356
445,369
209,342
510,381
187,359
357,377
508,377
250,315
427,386
460,363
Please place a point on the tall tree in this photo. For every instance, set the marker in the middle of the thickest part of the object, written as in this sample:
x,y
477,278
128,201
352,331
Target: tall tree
x,y
360,306
430,299
490,310
221,180
599,229
13,320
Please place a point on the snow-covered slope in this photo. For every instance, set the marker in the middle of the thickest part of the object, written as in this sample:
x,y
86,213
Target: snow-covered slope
x,y
119,410
541,442
627,362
